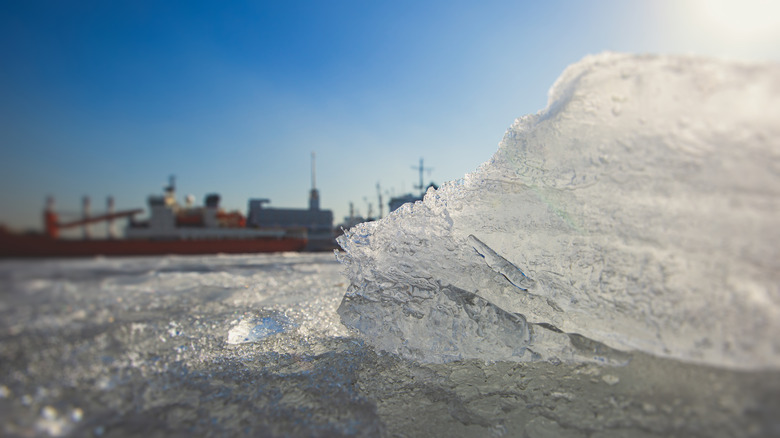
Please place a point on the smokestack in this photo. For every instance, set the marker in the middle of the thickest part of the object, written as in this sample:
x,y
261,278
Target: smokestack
x,y
314,195
50,219
112,234
85,215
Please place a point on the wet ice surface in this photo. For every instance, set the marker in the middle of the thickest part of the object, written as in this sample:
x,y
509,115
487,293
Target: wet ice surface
x,y
140,346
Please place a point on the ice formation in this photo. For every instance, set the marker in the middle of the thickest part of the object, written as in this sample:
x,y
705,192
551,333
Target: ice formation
x,y
639,211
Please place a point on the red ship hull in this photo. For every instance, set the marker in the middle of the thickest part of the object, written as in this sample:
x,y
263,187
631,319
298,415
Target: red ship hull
x,y
12,245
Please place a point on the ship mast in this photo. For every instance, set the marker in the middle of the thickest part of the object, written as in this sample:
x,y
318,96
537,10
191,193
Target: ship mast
x,y
379,195
421,169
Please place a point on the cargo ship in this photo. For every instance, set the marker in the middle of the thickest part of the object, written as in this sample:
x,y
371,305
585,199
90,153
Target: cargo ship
x,y
170,229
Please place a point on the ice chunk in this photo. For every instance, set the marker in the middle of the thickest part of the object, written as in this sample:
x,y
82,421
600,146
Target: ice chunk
x,y
642,205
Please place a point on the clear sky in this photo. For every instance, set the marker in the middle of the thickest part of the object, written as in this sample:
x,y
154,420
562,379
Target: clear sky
x,y
111,97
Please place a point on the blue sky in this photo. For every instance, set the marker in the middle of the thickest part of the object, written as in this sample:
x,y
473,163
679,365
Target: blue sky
x,y
100,98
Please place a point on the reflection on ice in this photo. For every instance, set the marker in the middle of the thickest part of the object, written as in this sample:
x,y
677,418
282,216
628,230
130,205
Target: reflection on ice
x,y
252,330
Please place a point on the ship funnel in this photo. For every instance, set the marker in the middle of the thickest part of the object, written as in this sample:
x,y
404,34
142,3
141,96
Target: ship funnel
x,y
314,195
85,217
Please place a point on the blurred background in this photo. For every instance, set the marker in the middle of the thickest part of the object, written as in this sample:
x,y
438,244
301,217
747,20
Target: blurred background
x,y
110,98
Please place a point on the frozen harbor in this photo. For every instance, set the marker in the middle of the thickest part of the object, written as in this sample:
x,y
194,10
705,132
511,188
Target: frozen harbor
x,y
611,272
252,346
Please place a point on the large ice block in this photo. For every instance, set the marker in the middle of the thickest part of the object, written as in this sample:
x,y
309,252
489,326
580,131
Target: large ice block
x,y
639,211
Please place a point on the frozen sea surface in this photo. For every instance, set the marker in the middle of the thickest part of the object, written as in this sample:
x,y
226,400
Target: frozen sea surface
x,y
252,346
611,272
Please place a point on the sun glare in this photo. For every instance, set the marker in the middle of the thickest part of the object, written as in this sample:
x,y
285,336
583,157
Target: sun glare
x,y
742,19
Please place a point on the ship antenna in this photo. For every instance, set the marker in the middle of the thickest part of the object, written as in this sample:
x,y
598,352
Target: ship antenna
x,y
313,172
421,168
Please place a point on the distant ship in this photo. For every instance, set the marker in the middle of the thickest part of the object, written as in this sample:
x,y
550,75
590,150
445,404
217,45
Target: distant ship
x,y
170,229
395,202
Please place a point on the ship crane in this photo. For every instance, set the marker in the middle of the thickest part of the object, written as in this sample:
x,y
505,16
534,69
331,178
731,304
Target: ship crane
x,y
53,225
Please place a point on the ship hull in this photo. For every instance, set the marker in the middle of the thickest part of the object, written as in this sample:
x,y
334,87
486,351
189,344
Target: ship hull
x,y
43,246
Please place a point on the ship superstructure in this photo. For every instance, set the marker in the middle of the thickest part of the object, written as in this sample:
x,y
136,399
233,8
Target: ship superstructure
x,y
170,220
317,222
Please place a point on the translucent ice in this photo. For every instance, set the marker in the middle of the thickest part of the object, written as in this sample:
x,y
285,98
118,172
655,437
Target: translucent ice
x,y
638,211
